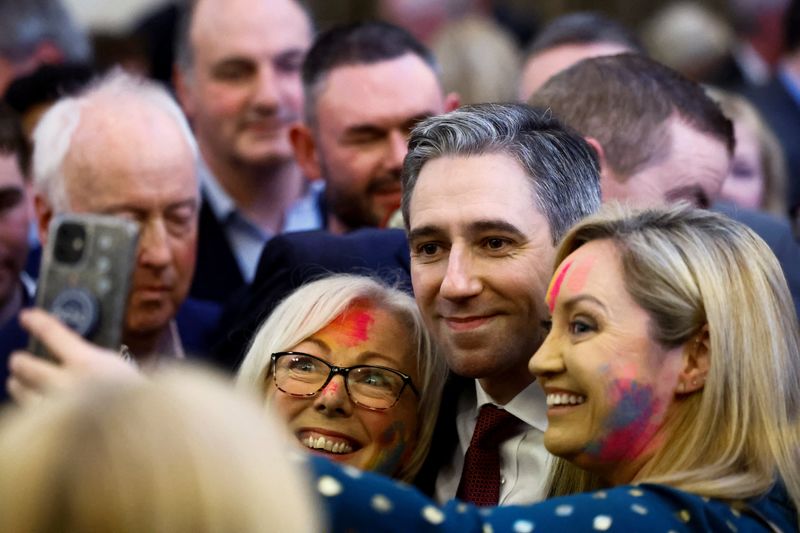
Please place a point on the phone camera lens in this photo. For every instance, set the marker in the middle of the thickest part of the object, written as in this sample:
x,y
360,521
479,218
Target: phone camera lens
x,y
70,243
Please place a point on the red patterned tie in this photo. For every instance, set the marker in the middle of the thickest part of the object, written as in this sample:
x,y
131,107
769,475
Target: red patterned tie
x,y
480,479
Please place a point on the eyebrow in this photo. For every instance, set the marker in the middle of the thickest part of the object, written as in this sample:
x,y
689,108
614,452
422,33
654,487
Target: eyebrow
x,y
362,357
123,207
370,128
575,300
475,227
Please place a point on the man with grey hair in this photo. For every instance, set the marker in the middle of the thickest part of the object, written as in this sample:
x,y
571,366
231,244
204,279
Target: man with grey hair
x,y
488,190
123,147
36,32
238,80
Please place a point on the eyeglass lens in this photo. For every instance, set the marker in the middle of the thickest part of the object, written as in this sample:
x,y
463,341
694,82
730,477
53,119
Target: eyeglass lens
x,y
368,385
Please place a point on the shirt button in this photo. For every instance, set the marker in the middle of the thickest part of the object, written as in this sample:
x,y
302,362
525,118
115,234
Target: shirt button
x,y
502,480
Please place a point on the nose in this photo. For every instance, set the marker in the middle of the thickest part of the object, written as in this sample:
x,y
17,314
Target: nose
x,y
460,279
154,250
266,91
397,149
333,399
548,359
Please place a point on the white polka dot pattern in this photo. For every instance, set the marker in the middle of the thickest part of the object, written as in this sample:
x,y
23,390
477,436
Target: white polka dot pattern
x,y
432,515
381,503
564,510
601,522
328,486
523,526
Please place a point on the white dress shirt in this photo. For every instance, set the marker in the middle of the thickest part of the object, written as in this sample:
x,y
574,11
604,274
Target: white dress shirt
x,y
524,461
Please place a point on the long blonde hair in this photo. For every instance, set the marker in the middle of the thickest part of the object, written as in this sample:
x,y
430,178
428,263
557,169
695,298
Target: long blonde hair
x,y
315,305
689,268
178,452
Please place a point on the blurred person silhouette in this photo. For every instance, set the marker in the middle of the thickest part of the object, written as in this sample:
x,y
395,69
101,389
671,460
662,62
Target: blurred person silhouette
x,y
757,178
37,32
569,39
479,60
178,452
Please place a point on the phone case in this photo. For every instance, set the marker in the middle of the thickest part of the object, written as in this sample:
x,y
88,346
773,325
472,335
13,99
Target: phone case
x,y
85,275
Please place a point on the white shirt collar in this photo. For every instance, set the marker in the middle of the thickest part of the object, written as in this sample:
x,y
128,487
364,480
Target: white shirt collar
x,y
530,405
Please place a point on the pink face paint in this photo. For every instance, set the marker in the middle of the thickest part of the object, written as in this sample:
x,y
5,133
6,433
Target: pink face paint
x,y
352,326
555,287
579,273
331,388
631,424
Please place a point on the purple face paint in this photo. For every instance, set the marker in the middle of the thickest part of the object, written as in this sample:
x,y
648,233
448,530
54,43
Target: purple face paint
x,y
631,424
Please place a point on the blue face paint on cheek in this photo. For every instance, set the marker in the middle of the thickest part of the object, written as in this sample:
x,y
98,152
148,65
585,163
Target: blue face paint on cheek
x,y
630,425
393,447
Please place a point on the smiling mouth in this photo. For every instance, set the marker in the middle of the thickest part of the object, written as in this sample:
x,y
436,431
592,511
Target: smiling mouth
x,y
329,444
466,323
564,399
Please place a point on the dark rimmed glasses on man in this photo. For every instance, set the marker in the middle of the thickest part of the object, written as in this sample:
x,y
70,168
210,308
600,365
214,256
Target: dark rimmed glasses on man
x,y
372,387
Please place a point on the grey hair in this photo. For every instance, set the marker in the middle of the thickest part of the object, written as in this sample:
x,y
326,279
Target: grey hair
x,y
563,169
25,24
53,135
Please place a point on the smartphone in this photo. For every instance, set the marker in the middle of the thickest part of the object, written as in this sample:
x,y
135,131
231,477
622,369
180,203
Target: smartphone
x,y
85,276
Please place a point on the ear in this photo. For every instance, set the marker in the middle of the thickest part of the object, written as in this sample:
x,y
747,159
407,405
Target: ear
x,y
696,363
44,213
183,90
609,184
305,150
451,102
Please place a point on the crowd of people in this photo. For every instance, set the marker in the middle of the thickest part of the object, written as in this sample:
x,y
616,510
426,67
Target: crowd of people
x,y
422,312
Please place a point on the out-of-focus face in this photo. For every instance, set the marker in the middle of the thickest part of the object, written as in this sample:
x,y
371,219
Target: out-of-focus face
x,y
608,383
693,170
544,65
244,89
139,166
480,262
745,183
330,423
364,114
14,220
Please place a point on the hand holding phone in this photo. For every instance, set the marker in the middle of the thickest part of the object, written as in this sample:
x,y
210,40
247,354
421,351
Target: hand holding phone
x,y
85,276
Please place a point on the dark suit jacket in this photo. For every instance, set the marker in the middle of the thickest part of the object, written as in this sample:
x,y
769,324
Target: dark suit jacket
x,y
778,235
217,275
196,320
782,113
12,337
293,259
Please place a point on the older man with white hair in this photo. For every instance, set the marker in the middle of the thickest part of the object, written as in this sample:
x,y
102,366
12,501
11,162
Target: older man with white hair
x,y
123,147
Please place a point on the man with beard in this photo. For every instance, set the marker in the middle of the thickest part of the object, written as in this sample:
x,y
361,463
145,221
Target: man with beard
x,y
366,85
238,80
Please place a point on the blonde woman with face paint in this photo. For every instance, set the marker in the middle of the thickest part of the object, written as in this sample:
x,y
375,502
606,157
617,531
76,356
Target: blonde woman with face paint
x,y
347,363
672,373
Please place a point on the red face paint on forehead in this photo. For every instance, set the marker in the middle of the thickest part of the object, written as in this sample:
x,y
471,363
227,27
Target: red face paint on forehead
x,y
580,271
555,287
352,326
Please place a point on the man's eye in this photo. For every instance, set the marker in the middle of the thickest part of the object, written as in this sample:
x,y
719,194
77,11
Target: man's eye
x,y
429,249
496,243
